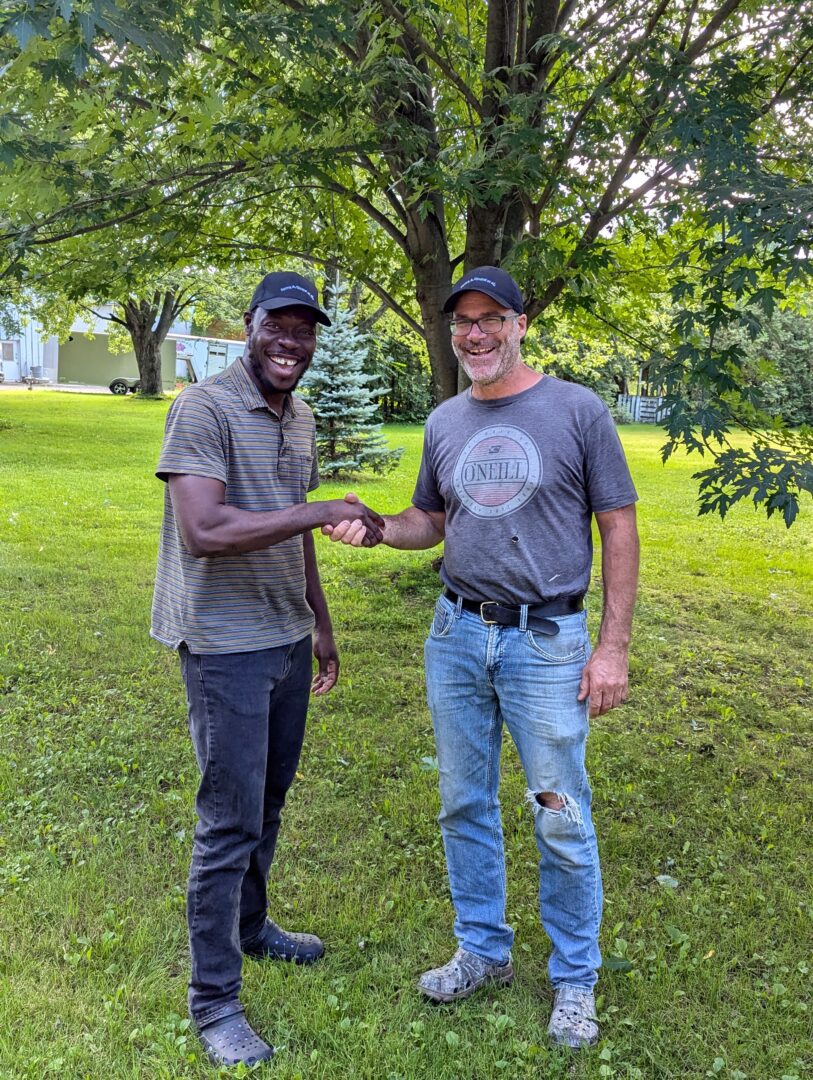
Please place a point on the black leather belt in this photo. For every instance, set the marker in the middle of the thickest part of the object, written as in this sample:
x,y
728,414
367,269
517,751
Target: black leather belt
x,y
540,616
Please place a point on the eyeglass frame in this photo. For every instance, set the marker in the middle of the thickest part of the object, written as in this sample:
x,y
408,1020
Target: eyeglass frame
x,y
476,322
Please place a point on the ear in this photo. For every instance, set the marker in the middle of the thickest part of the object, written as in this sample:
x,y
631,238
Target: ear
x,y
522,323
247,320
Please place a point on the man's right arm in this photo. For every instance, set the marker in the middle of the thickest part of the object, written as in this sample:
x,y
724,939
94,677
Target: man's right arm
x,y
412,529
209,526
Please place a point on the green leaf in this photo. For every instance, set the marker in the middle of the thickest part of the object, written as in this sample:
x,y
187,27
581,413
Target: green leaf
x,y
25,28
617,963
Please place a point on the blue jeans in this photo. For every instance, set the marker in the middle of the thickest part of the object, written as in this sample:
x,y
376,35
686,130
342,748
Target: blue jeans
x,y
479,677
247,721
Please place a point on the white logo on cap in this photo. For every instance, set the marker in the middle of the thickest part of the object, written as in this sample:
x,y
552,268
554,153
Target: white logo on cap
x,y
487,280
299,288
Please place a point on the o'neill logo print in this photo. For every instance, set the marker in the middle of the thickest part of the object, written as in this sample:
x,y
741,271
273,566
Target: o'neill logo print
x,y
497,471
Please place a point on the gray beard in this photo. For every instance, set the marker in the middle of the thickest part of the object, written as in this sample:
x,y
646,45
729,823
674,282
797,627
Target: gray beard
x,y
506,364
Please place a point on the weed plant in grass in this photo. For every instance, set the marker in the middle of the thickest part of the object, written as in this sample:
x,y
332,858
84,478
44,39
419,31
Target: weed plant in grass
x,y
701,794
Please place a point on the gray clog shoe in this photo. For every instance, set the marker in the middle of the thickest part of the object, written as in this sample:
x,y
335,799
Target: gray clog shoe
x,y
274,943
232,1041
573,1021
465,973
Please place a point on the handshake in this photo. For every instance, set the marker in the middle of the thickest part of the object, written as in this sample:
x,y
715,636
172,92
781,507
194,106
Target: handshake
x,y
353,523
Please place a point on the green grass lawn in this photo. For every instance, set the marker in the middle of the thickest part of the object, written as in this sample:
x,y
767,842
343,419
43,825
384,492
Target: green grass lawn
x,y
701,796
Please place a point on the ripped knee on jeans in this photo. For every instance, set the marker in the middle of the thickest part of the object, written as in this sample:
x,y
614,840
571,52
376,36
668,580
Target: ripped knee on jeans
x,y
555,802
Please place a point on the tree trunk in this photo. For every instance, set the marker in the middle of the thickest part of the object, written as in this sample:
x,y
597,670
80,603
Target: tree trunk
x,y
149,322
433,284
484,236
148,358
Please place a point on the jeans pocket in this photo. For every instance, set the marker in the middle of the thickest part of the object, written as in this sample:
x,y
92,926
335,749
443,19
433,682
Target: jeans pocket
x,y
443,619
569,645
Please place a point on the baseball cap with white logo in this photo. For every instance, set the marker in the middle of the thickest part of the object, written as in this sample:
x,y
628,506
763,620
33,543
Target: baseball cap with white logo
x,y
494,283
282,289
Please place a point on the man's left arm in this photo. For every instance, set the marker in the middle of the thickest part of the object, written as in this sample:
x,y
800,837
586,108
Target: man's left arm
x,y
324,645
605,679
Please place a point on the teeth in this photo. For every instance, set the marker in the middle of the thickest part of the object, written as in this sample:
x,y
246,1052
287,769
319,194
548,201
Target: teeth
x,y
284,361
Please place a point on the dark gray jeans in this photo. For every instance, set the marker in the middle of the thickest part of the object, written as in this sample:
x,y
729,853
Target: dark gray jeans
x,y
247,721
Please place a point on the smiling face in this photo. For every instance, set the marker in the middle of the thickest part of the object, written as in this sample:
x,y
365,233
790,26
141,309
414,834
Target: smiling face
x,y
488,359
279,347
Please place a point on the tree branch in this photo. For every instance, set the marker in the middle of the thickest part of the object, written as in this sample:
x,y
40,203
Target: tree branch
x,y
604,211
167,315
373,286
544,19
133,214
369,166
596,16
606,30
300,9
368,208
88,204
335,264
417,38
105,318
777,96
371,320
650,348
704,38
620,68
638,193
687,29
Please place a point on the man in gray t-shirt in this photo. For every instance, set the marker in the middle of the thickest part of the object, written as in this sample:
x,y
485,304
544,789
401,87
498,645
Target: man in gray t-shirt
x,y
513,472
519,478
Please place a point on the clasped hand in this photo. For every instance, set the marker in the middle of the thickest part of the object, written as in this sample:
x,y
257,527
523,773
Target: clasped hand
x,y
353,523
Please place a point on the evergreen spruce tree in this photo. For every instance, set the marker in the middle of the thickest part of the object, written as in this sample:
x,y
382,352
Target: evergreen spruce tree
x,y
342,395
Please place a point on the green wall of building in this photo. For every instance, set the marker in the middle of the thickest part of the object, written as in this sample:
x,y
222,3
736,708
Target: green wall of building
x,y
86,360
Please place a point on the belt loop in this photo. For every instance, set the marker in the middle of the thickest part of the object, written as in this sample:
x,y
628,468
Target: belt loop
x,y
523,618
458,607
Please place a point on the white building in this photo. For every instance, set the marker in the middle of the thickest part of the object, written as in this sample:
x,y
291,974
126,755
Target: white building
x,y
28,352
85,358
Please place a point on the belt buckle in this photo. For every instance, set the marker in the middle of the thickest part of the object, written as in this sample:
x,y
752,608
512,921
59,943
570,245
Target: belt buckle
x,y
488,603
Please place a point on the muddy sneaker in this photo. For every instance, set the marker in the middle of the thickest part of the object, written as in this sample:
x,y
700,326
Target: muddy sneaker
x,y
464,974
573,1021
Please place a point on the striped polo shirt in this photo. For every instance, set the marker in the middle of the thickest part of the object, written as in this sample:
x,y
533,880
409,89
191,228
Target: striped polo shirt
x,y
223,428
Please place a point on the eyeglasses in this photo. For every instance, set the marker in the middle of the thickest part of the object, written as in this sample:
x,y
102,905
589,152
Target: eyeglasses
x,y
487,324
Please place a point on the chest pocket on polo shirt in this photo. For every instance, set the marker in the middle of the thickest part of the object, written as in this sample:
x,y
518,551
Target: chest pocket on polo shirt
x,y
294,471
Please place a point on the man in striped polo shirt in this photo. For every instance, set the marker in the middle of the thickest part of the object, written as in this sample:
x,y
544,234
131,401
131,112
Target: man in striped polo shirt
x,y
238,595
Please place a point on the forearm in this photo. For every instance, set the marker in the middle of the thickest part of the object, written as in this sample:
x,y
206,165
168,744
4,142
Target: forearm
x,y
313,585
413,529
619,571
210,526
228,530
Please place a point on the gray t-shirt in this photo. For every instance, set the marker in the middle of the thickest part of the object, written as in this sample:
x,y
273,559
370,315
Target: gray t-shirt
x,y
519,478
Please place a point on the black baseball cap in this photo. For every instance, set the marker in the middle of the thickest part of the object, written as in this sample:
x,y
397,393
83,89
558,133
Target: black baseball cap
x,y
283,289
494,283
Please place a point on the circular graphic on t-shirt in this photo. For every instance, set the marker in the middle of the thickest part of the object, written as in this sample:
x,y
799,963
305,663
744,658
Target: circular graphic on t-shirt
x,y
497,471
